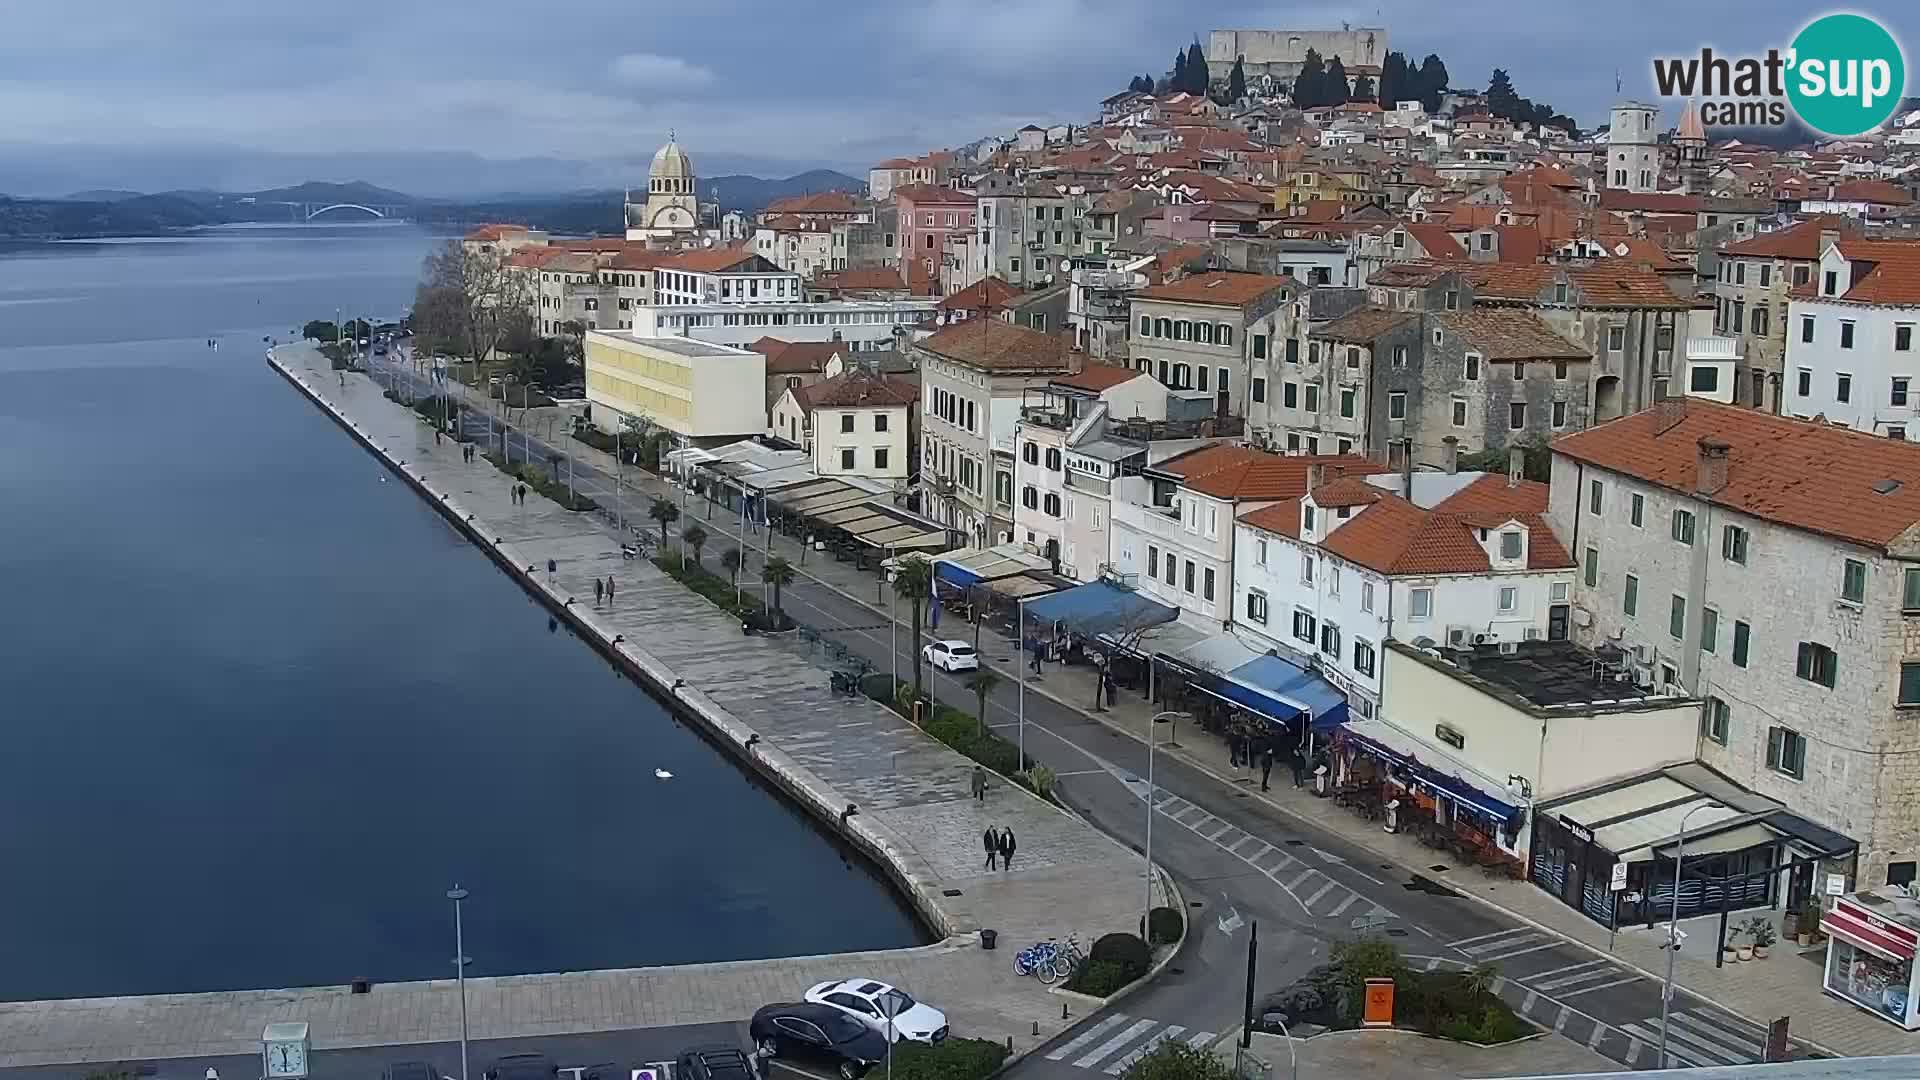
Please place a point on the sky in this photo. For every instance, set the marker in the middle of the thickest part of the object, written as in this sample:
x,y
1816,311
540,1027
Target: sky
x,y
509,95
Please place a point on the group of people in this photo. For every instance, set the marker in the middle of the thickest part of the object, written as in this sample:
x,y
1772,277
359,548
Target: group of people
x,y
1251,744
467,451
603,590
999,843
519,494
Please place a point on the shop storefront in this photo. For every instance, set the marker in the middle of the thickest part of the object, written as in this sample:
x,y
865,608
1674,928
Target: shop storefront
x,y
1870,953
1385,773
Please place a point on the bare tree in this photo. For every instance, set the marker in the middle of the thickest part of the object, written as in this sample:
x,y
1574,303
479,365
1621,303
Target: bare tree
x,y
487,289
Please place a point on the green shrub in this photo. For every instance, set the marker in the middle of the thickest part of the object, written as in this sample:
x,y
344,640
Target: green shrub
x,y
1164,925
952,1059
1174,1060
1124,949
1039,779
1099,978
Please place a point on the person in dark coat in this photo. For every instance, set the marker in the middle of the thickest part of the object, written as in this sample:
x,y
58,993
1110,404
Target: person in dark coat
x,y
1006,849
1266,766
991,841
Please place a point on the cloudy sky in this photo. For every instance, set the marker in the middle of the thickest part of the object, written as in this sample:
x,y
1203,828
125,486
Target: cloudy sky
x,y
501,95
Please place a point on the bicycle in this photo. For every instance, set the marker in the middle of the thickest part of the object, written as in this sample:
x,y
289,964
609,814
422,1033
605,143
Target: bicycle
x,y
1035,959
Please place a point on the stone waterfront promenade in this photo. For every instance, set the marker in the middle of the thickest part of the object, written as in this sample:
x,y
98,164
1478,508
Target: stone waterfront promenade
x,y
915,818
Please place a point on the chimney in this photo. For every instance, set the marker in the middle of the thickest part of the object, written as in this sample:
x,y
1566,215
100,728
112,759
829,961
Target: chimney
x,y
1450,456
1828,238
1667,414
1710,478
1406,469
1315,473
1516,466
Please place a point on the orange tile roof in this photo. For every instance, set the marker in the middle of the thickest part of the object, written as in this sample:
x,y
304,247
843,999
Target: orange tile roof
x,y
1798,241
1609,284
1098,377
1894,276
933,195
1362,325
822,202
708,260
1509,334
1439,243
1347,491
1000,346
862,389
1797,473
1222,287
1870,191
988,291
494,232
1282,518
1492,494
1244,473
800,357
1393,536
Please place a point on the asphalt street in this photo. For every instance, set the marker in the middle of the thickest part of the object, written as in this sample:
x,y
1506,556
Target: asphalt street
x,y
613,1055
1240,861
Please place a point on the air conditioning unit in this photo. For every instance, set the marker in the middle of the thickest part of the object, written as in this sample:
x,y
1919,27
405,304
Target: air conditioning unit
x,y
1643,677
1459,636
1643,655
1534,634
1482,639
1508,648
1582,617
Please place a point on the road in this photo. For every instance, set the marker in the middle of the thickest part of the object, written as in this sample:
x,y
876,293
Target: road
x,y
623,1050
1240,860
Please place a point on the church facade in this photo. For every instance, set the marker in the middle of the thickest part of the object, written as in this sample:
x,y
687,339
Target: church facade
x,y
671,211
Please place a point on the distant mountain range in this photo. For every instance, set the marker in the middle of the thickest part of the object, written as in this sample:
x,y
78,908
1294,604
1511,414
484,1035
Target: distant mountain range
x,y
106,212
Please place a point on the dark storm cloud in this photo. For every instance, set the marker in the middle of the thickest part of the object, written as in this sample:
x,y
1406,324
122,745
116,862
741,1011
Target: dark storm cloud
x,y
490,94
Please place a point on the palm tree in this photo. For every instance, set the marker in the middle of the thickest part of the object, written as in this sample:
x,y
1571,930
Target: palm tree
x,y
983,682
694,537
913,580
664,512
778,572
730,559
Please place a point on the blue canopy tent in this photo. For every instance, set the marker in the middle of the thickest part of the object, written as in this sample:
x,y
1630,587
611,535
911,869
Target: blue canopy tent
x,y
1261,683
1099,607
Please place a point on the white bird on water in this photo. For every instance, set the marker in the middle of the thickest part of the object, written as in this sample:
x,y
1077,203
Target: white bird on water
x,y
383,479
662,774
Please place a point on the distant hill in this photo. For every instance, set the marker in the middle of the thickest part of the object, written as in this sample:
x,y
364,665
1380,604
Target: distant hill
x,y
141,215
107,195
315,191
753,193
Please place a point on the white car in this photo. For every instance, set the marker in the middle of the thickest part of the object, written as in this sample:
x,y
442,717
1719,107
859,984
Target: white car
x,y
870,1002
952,656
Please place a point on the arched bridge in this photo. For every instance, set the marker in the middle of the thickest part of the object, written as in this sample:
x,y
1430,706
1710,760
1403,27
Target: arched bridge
x,y
315,211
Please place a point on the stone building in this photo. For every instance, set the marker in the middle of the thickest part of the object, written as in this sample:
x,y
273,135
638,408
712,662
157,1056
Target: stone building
x,y
1278,54
1772,567
1204,331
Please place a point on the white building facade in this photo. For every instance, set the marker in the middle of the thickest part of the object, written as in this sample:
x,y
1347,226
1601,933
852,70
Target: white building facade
x,y
1851,350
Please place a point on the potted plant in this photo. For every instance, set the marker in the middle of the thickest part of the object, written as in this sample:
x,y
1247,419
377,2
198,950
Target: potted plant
x,y
1744,946
1760,932
1730,951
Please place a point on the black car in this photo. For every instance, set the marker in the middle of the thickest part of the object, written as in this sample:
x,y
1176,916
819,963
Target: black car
x,y
522,1067
410,1070
821,1032
713,1063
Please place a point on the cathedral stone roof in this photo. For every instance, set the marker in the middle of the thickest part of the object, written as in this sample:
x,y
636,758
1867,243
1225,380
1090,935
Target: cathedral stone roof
x,y
671,162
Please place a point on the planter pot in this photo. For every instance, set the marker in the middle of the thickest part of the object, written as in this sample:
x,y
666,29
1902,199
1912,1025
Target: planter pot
x,y
1729,954
1746,952
1760,952
1805,938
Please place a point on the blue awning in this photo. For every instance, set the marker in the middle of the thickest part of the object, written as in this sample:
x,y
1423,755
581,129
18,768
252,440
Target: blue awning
x,y
1097,608
1431,777
955,574
1282,690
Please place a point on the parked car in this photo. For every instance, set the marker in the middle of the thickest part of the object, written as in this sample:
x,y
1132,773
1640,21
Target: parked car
x,y
952,656
713,1063
522,1067
410,1070
871,1002
822,1033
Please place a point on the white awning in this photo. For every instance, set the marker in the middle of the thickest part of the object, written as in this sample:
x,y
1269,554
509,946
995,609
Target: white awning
x,y
1739,838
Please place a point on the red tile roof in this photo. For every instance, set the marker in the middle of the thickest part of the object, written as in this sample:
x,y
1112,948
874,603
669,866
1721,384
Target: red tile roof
x,y
1607,284
1509,334
1797,241
1893,276
708,260
1650,202
1439,243
1393,536
1362,325
988,292
933,195
859,389
796,357
1797,473
1869,191
823,202
1000,346
1244,473
1223,287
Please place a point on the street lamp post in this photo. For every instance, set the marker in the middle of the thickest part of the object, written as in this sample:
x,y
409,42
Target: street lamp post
x,y
1020,635
460,962
1158,718
1673,927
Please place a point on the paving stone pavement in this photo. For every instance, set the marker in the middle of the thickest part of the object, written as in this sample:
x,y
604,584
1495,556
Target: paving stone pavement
x,y
827,751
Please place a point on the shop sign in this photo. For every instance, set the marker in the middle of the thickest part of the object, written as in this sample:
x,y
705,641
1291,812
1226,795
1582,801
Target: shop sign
x,y
1450,735
1580,832
1617,882
1836,884
1379,1004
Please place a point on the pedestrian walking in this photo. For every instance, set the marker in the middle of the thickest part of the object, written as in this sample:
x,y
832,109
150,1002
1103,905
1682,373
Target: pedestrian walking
x,y
991,841
609,590
979,784
1298,760
1006,849
551,567
1035,642
1266,766
599,587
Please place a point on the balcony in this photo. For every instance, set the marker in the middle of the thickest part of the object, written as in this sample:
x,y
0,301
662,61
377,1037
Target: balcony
x,y
1205,428
1042,416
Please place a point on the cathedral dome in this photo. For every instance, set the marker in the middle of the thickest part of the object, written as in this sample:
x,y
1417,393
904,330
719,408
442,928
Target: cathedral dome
x,y
671,163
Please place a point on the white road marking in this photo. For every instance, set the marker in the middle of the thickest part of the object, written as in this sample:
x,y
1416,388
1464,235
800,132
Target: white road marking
x,y
1488,937
1098,1053
1121,1065
1344,904
1706,1034
1202,1039
1540,978
1087,1036
1317,894
1521,952
1295,884
1675,1058
1527,1003
1599,986
1560,1022
1593,1037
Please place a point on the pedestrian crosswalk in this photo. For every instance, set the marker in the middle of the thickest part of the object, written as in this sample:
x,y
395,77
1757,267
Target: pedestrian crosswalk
x,y
1504,944
1112,1045
1317,892
1700,1038
1574,980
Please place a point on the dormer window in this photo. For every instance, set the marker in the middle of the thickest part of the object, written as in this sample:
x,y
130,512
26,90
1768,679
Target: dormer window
x,y
1559,292
1306,518
1512,545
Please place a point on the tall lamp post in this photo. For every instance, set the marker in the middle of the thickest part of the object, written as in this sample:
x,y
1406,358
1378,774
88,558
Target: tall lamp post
x,y
460,962
1152,740
1673,927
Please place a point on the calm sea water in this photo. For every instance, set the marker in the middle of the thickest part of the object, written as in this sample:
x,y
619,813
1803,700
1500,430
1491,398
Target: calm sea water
x,y
258,711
